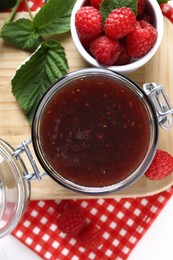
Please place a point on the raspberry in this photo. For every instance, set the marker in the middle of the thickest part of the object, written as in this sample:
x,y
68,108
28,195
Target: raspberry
x,y
85,42
141,39
119,22
161,166
105,50
88,22
71,221
146,17
90,237
96,3
124,57
140,8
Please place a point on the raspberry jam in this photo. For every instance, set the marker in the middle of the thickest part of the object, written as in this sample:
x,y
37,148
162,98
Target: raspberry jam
x,y
94,131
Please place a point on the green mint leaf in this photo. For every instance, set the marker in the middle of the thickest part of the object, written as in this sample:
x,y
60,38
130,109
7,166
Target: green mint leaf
x,y
54,17
162,1
22,34
7,4
107,6
46,65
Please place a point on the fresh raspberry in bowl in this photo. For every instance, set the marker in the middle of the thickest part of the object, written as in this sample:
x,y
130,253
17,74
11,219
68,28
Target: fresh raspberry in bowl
x,y
117,25
141,39
119,22
96,3
105,50
88,22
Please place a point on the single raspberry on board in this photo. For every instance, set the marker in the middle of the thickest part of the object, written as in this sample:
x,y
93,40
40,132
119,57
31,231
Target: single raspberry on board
x,y
140,8
161,166
96,3
119,22
141,39
105,50
90,237
88,22
71,221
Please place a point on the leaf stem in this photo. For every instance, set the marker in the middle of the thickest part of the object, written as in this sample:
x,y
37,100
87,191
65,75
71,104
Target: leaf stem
x,y
11,15
13,12
29,10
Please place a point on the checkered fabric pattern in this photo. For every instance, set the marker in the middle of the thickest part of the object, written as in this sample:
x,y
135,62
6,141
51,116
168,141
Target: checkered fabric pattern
x,y
33,4
167,11
122,222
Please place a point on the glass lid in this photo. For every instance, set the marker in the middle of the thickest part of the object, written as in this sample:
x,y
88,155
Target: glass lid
x,y
14,191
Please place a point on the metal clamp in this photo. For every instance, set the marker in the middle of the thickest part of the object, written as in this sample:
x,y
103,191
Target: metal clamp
x,y
24,148
159,99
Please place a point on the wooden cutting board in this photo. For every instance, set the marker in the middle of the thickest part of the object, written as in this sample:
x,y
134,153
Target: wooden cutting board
x,y
14,127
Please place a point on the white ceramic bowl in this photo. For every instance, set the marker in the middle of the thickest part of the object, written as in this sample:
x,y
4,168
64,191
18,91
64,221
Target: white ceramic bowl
x,y
135,64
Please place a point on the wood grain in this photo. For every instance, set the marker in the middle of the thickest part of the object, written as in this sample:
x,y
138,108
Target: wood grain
x,y
14,127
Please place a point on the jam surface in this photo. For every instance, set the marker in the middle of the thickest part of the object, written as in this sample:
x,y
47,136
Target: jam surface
x,y
95,132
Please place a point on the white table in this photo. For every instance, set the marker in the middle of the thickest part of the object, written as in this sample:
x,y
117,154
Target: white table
x,y
156,244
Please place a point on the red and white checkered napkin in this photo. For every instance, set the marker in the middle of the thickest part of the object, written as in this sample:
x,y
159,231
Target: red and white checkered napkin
x,y
167,11
122,221
33,4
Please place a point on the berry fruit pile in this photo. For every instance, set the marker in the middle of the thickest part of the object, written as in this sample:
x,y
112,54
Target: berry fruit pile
x,y
72,221
119,38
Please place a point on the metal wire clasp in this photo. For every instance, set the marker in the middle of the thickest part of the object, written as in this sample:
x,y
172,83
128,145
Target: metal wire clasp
x,y
159,99
24,148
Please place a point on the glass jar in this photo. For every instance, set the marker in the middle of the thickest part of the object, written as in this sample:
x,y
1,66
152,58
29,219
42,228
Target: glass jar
x,y
81,122
85,81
